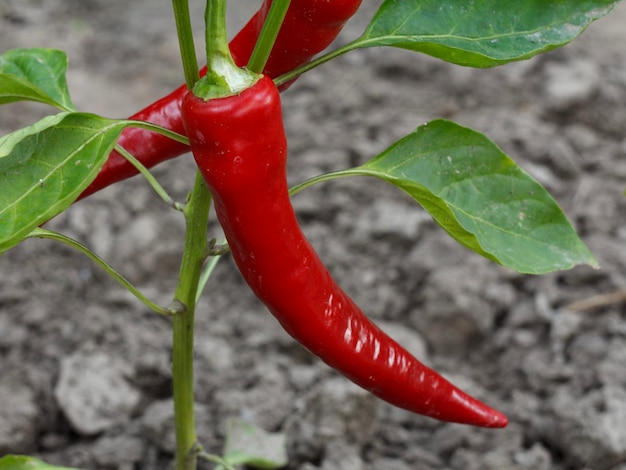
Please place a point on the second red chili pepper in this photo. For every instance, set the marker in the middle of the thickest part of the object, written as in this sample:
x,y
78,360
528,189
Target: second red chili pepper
x,y
308,28
240,147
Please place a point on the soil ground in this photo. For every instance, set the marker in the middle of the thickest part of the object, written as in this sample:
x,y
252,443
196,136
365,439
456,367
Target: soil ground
x,y
85,376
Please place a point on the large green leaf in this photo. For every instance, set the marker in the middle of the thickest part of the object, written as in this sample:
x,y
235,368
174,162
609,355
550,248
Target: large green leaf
x,y
35,75
481,33
23,462
45,167
481,198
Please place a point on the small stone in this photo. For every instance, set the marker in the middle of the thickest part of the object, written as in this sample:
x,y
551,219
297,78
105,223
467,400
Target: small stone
x,y
267,404
341,456
571,83
215,354
141,232
388,218
158,422
18,418
93,392
612,422
336,409
592,428
564,326
118,451
460,305
388,464
52,441
583,138
535,458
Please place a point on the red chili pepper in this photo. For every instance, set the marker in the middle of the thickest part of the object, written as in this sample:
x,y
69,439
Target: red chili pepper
x,y
308,28
240,147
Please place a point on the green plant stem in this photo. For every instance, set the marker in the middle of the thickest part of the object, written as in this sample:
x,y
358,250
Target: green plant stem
x,y
42,233
222,463
358,171
223,77
159,130
160,190
196,217
287,77
185,41
215,32
268,35
215,252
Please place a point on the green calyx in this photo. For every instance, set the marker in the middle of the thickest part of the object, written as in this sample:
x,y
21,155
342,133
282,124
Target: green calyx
x,y
223,78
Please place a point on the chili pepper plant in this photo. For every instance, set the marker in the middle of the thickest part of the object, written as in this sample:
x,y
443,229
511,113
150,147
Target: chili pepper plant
x,y
229,115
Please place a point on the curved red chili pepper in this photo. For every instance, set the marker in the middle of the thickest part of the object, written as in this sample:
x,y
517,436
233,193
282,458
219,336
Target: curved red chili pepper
x,y
308,28
240,147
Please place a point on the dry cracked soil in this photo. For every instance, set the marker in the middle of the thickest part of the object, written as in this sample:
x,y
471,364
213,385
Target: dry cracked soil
x,y
85,378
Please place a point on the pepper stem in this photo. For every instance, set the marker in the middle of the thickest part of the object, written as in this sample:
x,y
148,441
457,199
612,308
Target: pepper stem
x,y
223,77
269,33
185,41
196,219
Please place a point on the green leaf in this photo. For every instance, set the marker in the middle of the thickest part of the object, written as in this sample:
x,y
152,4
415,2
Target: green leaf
x,y
481,198
35,75
23,462
45,167
249,445
481,33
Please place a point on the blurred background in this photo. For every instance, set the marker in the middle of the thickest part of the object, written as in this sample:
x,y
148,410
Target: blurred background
x,y
85,376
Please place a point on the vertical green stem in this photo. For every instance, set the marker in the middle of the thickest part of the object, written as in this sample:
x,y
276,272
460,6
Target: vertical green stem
x,y
196,217
215,33
221,68
268,35
185,41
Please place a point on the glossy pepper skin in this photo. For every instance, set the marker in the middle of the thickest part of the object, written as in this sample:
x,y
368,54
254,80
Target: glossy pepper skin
x,y
308,28
240,147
